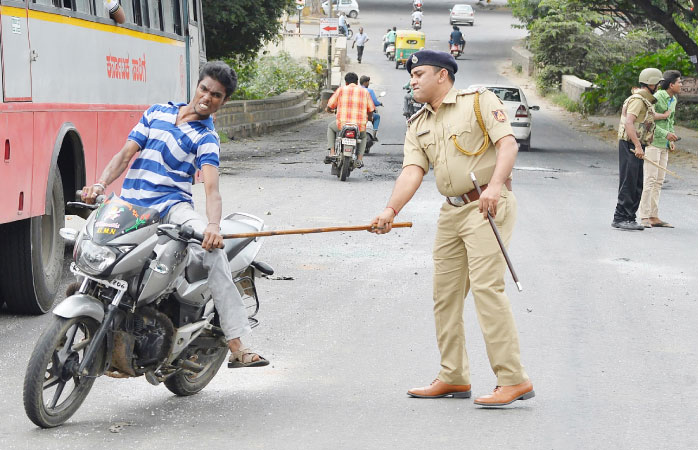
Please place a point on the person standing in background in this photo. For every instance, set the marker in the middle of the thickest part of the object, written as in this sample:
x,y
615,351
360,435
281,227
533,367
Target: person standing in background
x,y
360,39
664,141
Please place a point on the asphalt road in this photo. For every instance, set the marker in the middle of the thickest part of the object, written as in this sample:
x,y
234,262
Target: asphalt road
x,y
607,320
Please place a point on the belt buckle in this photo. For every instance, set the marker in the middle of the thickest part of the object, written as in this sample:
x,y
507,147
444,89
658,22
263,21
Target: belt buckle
x,y
457,201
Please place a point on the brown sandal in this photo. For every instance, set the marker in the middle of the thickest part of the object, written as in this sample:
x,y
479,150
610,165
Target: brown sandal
x,y
245,358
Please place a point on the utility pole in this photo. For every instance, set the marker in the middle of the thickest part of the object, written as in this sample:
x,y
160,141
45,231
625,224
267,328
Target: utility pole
x,y
330,55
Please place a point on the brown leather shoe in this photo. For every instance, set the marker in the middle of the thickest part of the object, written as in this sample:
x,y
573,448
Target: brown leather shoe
x,y
505,395
438,389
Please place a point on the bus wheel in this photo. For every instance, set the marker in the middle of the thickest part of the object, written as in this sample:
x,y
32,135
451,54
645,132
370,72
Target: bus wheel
x,y
31,257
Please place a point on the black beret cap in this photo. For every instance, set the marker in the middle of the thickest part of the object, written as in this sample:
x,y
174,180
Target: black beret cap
x,y
431,58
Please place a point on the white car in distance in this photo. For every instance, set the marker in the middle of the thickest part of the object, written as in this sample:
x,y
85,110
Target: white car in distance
x,y
517,110
462,14
349,7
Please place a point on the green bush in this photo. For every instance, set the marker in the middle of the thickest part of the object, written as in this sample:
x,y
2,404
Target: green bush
x,y
268,76
568,39
614,85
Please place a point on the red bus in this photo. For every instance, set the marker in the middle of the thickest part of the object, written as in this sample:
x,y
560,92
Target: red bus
x,y
74,83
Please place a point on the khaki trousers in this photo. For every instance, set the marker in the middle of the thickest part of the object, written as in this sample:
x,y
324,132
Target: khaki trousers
x,y
653,180
467,256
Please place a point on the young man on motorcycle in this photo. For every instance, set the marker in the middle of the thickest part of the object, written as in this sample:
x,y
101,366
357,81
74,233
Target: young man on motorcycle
x,y
456,37
173,141
364,82
353,104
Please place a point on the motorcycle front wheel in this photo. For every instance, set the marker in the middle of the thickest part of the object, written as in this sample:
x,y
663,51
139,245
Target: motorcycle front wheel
x,y
189,383
52,391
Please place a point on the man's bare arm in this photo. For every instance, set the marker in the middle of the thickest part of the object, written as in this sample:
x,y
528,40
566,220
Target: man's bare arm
x,y
212,233
117,165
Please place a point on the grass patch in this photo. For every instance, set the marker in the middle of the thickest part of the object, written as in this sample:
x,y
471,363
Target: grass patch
x,y
562,100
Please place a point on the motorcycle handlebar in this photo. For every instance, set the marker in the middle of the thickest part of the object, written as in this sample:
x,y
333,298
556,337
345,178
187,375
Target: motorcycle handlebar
x,y
188,232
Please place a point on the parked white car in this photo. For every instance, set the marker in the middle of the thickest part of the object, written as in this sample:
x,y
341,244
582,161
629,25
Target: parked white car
x,y
349,7
463,14
517,110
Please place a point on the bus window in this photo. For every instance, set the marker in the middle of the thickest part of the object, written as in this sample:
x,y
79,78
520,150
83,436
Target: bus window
x,y
177,17
136,8
44,2
154,13
145,14
193,11
83,6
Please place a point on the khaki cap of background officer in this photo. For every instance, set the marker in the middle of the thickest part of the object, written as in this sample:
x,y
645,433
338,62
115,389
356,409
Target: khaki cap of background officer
x,y
435,133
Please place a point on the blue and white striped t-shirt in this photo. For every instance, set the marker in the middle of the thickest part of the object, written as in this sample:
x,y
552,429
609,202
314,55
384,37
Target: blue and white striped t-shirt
x,y
162,175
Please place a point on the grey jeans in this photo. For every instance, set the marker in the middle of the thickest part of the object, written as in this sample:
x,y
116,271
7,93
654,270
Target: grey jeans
x,y
227,299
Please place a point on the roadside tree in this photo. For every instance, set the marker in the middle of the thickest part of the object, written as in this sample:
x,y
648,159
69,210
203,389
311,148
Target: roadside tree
x,y
240,28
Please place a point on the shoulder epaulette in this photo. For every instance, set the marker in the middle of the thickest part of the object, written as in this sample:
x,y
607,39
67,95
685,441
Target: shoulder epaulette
x,y
473,90
413,117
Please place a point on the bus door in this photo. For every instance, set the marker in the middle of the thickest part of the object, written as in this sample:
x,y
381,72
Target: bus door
x,y
16,57
194,25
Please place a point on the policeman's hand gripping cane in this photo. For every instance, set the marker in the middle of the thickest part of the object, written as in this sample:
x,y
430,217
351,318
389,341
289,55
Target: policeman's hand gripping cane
x,y
498,237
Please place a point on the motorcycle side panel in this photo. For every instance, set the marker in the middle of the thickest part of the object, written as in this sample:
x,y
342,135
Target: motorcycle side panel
x,y
80,305
195,294
246,256
136,258
169,263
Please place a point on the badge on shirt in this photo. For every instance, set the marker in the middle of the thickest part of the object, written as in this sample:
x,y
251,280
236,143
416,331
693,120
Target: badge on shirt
x,y
499,115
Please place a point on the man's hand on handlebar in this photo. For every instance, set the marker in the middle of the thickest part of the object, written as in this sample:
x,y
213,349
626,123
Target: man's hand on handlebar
x,y
90,193
212,237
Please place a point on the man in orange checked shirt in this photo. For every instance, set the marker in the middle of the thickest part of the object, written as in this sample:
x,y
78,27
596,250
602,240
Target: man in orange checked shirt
x,y
353,104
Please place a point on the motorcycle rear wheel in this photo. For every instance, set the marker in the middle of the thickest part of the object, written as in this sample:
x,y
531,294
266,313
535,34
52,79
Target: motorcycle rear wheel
x,y
187,383
60,348
345,168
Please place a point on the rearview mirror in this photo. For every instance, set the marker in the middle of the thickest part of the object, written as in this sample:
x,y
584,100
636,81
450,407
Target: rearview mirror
x,y
68,234
535,108
382,94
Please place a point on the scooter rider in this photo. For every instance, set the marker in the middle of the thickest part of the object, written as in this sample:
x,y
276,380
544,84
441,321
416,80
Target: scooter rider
x,y
342,24
457,38
390,38
182,136
353,104
417,17
364,82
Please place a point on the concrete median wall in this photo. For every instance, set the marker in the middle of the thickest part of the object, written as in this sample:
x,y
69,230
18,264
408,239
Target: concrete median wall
x,y
243,118
574,86
524,59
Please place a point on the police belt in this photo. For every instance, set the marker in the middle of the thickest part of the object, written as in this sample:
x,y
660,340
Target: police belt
x,y
471,196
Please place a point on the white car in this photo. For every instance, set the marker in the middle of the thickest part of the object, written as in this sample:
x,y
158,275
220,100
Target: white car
x,y
517,110
463,14
349,7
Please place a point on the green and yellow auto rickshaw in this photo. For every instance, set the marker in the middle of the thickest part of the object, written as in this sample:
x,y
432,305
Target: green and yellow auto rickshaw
x,y
407,43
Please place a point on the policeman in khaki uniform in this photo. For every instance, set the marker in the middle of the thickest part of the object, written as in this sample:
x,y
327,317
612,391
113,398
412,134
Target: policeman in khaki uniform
x,y
458,132
635,132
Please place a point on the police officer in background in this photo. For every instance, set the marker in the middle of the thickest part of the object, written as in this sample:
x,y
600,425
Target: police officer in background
x,y
635,132
458,132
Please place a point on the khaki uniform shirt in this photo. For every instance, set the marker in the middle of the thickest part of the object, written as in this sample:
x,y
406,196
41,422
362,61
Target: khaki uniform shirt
x,y
644,121
429,140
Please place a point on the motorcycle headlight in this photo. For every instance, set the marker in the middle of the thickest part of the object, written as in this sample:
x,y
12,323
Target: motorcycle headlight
x,y
94,259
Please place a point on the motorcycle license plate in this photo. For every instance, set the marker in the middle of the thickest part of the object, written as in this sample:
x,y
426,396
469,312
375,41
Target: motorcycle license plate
x,y
349,141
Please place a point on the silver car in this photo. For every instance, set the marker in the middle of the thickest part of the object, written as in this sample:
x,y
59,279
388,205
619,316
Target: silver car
x,y
463,14
517,110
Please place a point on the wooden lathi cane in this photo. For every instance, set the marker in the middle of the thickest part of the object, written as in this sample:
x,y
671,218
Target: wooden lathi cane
x,y
662,168
313,230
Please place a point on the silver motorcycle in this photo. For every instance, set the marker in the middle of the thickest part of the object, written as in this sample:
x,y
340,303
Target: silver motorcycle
x,y
138,308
